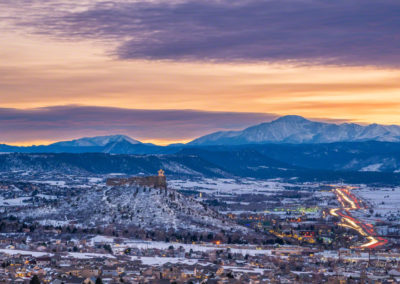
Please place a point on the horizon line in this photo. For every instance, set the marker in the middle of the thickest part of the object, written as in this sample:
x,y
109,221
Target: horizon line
x,y
167,142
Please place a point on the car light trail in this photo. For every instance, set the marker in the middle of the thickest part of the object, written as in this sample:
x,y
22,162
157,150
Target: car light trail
x,y
333,212
349,201
372,241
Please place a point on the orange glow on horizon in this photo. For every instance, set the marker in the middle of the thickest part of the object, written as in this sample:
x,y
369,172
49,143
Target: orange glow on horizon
x,y
41,72
165,142
29,143
160,142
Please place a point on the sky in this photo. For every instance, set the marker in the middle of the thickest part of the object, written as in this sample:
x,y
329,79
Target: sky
x,y
170,71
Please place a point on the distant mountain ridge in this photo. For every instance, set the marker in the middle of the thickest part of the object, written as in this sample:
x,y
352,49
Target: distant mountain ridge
x,y
113,144
97,141
288,147
298,130
289,129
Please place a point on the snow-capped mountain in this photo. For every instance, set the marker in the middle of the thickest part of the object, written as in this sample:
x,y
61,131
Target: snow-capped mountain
x,y
116,144
96,141
297,130
285,130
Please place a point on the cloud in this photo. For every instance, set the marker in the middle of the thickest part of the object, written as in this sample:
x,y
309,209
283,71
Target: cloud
x,y
66,122
345,32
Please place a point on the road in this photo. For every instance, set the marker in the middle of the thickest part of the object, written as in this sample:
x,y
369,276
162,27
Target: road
x,y
349,202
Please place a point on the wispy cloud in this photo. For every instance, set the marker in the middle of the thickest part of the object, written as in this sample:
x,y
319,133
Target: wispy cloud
x,y
355,32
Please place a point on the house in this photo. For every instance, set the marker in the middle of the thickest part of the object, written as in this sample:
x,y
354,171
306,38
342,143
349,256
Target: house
x,y
90,280
90,271
43,261
109,271
74,280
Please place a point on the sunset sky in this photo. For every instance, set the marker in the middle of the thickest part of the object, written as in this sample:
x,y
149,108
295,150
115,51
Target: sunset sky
x,y
169,71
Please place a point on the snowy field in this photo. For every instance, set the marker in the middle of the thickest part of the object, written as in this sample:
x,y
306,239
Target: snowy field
x,y
24,252
384,201
144,245
269,197
232,186
76,255
14,201
59,183
160,261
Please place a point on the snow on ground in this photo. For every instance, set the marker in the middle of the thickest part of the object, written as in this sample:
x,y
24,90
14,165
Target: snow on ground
x,y
383,200
77,255
371,168
95,180
51,182
87,255
229,186
159,261
101,239
26,252
46,196
250,250
54,223
14,202
246,270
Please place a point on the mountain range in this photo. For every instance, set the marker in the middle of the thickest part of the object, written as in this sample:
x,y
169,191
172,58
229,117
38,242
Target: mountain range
x,y
298,130
290,146
289,129
114,144
98,141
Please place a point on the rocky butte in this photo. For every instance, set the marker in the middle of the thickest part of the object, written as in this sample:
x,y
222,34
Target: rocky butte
x,y
158,181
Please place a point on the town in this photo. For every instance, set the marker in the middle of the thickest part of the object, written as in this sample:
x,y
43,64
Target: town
x,y
252,231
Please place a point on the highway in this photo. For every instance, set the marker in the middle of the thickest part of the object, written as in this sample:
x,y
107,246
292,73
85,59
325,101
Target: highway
x,y
349,202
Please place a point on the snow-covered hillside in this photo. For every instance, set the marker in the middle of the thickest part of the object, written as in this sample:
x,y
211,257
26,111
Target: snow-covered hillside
x,y
146,208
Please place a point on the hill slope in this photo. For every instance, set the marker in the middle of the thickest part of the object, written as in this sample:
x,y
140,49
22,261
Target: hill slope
x,y
364,163
124,206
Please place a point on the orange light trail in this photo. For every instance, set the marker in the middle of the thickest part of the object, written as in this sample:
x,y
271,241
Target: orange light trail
x,y
349,202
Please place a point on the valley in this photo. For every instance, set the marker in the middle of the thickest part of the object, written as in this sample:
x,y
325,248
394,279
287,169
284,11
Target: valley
x,y
247,223
304,210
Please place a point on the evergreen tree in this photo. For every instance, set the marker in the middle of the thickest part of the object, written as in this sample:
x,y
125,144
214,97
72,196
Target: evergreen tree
x,y
35,280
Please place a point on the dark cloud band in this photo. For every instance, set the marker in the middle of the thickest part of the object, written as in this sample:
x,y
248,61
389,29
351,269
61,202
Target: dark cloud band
x,y
349,32
64,122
